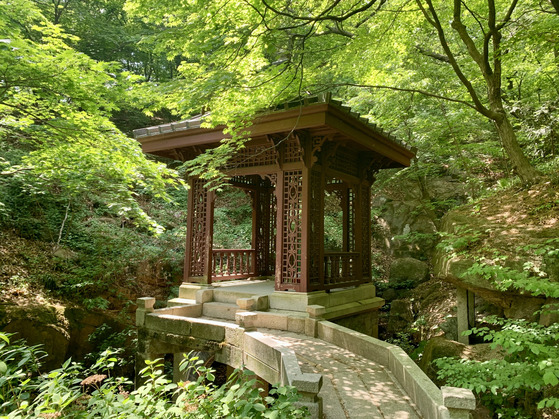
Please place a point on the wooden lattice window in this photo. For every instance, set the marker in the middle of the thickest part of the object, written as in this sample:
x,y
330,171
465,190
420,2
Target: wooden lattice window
x,y
198,242
292,227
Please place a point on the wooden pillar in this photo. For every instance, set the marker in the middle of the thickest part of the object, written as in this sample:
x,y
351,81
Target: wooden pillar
x,y
263,228
364,228
316,229
305,220
199,233
360,247
344,201
291,255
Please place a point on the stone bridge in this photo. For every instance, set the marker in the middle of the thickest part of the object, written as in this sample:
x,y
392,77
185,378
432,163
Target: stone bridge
x,y
340,373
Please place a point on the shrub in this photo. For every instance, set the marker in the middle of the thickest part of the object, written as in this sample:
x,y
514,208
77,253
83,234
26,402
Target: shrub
x,y
64,392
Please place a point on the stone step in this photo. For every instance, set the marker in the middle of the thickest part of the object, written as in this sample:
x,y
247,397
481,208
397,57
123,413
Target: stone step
x,y
180,302
220,310
230,297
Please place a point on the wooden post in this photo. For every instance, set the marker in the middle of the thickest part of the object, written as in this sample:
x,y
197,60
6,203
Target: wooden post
x,y
279,231
358,232
199,233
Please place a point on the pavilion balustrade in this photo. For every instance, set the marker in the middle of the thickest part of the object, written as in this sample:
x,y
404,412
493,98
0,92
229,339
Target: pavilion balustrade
x,y
230,264
342,268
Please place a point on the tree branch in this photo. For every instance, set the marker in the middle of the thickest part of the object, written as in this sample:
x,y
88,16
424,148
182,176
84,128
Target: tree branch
x,y
402,89
432,54
322,16
459,27
435,22
337,31
508,16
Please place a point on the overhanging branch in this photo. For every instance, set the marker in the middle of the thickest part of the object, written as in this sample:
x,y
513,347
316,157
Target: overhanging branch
x,y
324,14
402,89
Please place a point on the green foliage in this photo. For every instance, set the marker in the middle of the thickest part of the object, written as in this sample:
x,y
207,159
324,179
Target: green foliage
x,y
18,363
61,391
55,105
460,242
528,375
232,219
528,372
239,57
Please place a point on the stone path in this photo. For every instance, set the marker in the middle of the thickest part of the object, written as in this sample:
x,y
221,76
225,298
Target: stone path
x,y
353,387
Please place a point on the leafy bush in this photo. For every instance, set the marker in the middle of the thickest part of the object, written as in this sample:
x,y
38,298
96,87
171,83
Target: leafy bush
x,y
526,379
64,392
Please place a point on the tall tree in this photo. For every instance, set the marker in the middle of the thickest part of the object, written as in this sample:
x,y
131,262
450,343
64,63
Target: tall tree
x,y
487,54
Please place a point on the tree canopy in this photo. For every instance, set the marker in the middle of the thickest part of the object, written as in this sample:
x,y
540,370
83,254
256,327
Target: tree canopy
x,y
496,59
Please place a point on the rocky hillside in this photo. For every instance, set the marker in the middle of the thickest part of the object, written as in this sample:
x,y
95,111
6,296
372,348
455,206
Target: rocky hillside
x,y
493,245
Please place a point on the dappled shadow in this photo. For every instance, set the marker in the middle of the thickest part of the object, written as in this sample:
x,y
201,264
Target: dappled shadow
x,y
354,387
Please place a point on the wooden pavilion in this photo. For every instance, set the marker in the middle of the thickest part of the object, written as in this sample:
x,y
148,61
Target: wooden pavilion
x,y
295,156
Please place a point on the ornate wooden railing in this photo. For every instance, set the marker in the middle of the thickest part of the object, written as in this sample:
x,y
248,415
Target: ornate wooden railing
x,y
233,264
341,268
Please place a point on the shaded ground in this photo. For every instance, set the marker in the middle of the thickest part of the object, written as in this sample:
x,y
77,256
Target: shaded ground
x,y
353,387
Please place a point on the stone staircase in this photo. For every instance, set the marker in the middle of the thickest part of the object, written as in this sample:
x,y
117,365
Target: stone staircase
x,y
219,303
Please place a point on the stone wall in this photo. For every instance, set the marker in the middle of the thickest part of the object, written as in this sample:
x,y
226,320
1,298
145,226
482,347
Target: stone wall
x,y
64,332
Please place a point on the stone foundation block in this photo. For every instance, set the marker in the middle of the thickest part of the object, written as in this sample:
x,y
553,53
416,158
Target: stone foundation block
x,y
168,323
188,290
311,327
272,320
315,311
234,336
296,324
248,304
145,306
246,320
208,331
204,296
459,402
264,349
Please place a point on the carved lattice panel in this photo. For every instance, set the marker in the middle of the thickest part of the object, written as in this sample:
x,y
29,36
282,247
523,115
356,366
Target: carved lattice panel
x,y
266,230
365,202
346,161
253,156
351,220
198,242
248,181
292,151
292,227
316,240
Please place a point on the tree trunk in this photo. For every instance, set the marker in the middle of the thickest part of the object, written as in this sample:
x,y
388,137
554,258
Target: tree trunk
x,y
519,161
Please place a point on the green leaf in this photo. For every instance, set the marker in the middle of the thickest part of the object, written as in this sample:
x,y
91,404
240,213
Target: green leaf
x,y
3,368
550,378
259,407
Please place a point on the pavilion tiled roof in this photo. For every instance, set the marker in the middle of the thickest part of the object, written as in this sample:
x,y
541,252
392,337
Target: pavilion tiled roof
x,y
196,121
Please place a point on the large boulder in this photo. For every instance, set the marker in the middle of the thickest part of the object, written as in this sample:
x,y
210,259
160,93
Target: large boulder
x,y
38,325
63,332
401,316
408,271
408,213
503,230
